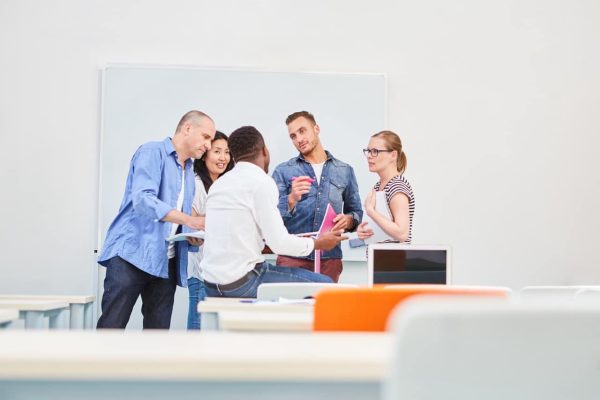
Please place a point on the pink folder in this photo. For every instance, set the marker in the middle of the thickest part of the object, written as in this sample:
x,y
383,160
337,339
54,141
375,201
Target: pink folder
x,y
327,222
326,226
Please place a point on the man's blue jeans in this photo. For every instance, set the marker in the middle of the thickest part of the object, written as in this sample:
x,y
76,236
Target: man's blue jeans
x,y
124,283
197,293
267,273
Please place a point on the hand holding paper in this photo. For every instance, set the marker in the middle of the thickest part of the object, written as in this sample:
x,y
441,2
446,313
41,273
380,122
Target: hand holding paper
x,y
375,203
195,241
329,236
328,240
364,231
371,202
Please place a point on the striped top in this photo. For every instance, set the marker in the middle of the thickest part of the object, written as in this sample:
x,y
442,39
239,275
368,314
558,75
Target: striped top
x,y
399,184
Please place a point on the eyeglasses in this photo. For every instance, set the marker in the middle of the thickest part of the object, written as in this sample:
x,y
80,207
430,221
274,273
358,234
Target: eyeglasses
x,y
374,152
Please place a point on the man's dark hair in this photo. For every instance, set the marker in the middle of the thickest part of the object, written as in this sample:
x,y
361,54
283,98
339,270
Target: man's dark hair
x,y
245,143
299,114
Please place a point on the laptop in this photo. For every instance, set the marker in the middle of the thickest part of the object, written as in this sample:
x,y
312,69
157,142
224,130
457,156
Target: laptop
x,y
393,263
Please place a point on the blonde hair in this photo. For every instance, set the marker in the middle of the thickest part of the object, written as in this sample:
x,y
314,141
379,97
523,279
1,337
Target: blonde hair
x,y
393,142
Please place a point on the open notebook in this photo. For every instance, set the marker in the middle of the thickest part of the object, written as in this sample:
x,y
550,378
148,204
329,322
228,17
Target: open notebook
x,y
326,225
327,222
184,236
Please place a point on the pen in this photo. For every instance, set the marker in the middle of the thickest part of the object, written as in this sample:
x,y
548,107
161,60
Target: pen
x,y
311,180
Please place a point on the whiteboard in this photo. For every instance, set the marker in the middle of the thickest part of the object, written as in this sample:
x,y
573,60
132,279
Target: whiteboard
x,y
141,104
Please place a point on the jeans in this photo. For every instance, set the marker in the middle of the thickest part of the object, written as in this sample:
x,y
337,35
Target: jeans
x,y
268,273
197,292
124,283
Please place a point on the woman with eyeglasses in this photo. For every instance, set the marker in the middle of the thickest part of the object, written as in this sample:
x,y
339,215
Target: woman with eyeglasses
x,y
386,159
214,163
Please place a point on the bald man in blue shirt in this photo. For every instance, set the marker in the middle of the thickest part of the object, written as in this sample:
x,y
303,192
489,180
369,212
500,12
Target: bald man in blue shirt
x,y
157,203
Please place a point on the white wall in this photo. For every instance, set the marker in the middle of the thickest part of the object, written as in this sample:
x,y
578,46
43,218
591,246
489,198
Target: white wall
x,y
496,102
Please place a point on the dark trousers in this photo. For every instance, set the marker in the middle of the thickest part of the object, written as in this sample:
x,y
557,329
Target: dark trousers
x,y
124,283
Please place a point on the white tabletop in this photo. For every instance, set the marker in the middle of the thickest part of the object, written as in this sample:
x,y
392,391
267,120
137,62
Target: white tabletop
x,y
218,304
251,315
261,321
8,315
174,355
72,299
33,305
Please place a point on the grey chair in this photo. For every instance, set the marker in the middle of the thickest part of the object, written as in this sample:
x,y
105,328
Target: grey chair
x,y
452,349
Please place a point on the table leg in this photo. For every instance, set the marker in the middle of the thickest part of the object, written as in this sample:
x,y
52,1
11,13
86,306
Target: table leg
x,y
76,316
88,313
33,319
209,321
56,319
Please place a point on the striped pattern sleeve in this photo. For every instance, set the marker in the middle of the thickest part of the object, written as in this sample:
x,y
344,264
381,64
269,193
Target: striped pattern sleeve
x,y
396,185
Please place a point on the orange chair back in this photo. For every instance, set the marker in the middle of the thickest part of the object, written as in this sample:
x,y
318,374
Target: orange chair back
x,y
368,309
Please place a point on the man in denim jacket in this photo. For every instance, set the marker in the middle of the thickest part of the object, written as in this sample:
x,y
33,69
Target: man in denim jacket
x,y
307,183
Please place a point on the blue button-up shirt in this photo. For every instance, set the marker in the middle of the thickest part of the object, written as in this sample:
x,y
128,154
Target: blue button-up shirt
x,y
337,186
138,234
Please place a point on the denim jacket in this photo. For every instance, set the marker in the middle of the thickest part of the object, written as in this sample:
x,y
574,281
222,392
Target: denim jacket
x,y
338,186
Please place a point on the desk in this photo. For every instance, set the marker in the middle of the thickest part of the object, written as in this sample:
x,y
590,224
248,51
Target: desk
x,y
34,312
80,307
221,313
7,317
261,321
192,365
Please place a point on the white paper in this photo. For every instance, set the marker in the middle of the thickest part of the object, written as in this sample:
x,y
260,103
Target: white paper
x,y
285,300
184,236
382,208
306,234
280,300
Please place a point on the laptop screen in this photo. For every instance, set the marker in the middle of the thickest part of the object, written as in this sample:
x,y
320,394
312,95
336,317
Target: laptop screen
x,y
393,263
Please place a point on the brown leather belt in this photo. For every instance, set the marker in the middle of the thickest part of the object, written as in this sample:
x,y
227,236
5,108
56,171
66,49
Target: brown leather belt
x,y
235,284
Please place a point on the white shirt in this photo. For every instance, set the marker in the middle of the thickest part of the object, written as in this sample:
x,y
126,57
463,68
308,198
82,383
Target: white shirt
x,y
318,168
171,247
199,205
241,210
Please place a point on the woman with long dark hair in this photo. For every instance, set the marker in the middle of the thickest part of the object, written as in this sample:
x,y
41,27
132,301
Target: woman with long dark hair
x,y
214,163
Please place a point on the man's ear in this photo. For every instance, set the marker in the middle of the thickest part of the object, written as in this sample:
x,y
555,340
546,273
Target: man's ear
x,y
186,128
317,129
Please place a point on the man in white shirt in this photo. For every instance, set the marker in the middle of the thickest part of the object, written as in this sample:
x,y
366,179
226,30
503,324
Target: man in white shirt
x,y
241,211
